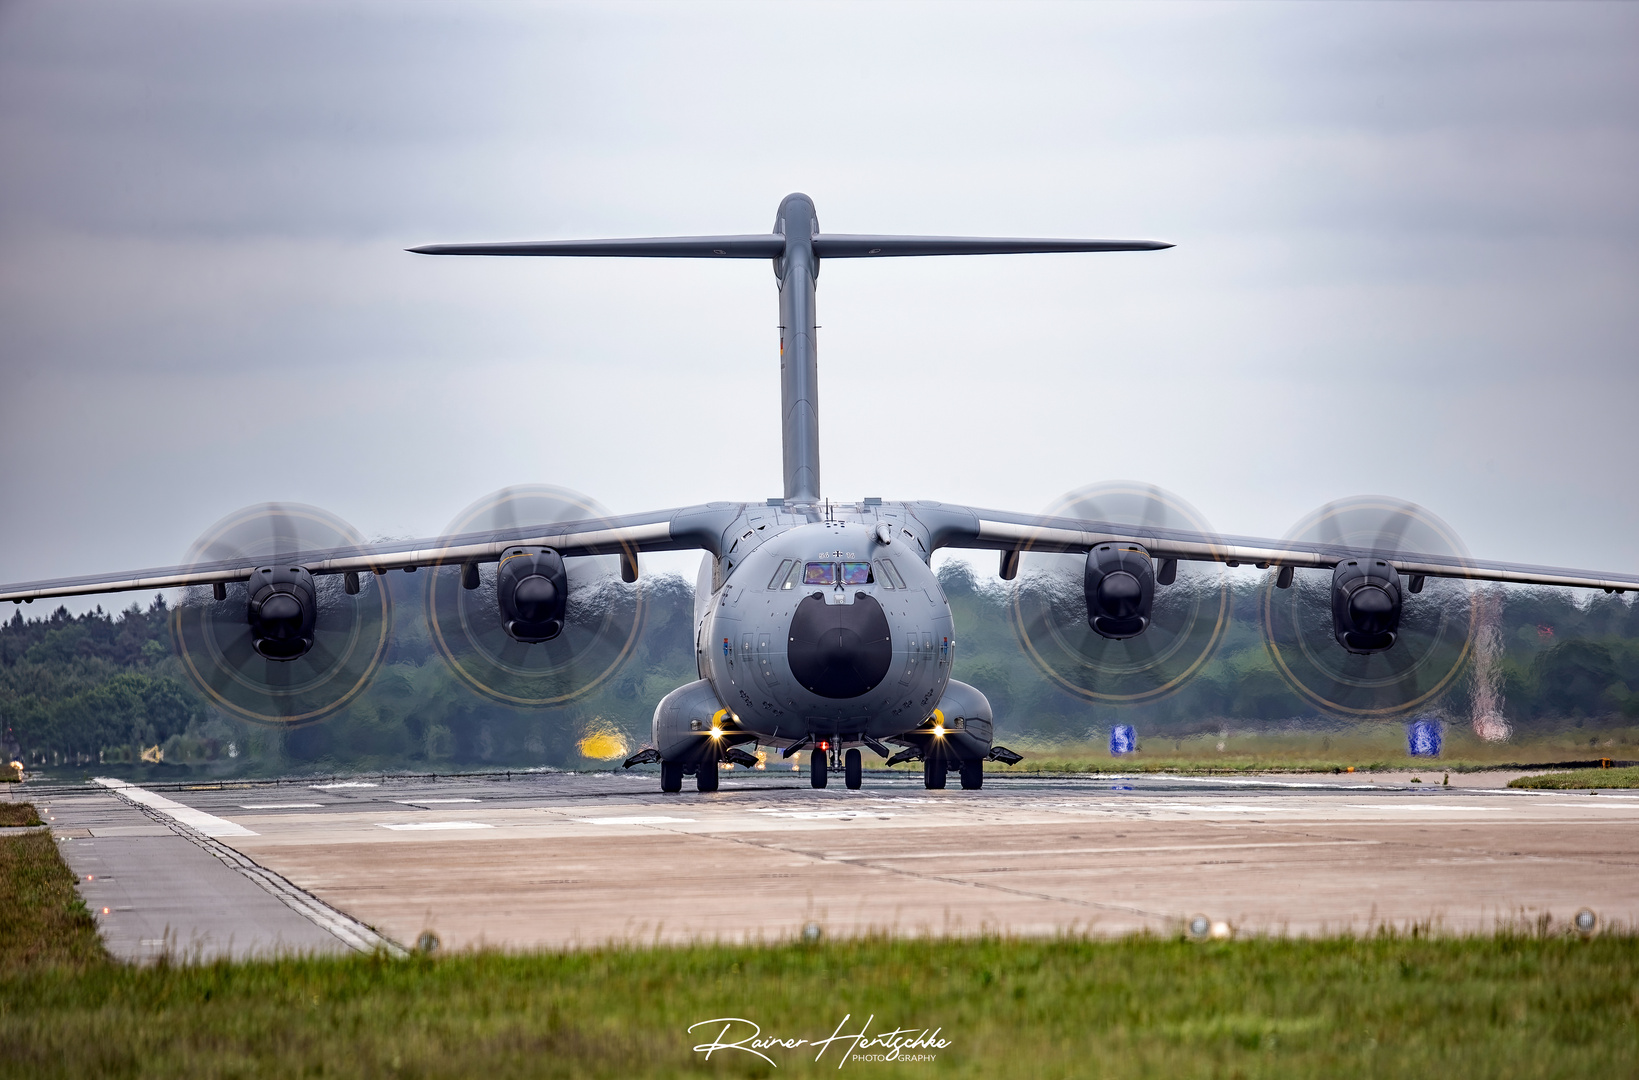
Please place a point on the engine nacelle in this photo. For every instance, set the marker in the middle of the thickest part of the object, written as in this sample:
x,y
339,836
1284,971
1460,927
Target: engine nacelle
x,y
283,611
1366,602
1120,588
532,589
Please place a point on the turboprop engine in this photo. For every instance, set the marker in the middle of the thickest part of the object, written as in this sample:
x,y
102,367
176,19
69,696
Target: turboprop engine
x,y
1366,602
283,611
1120,588
532,589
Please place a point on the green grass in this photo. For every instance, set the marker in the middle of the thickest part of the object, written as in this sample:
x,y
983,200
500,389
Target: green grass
x,y
1582,779
1509,1006
43,922
1532,1002
18,813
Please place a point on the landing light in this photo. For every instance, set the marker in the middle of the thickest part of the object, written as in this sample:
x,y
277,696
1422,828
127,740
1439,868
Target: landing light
x,y
717,733
938,732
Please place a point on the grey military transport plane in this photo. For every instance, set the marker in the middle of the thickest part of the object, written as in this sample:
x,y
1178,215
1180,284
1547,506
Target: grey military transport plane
x,y
818,626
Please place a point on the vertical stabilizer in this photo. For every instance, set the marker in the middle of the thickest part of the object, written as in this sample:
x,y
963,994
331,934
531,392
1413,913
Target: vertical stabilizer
x,y
796,270
796,246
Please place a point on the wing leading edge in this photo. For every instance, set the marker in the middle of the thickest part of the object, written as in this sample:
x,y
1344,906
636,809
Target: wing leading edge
x,y
690,528
969,527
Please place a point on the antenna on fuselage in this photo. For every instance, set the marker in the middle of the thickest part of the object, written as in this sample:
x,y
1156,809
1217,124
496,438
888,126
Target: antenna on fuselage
x,y
796,247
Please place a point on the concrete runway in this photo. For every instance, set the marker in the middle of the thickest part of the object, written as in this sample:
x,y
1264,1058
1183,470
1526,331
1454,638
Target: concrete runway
x,y
560,860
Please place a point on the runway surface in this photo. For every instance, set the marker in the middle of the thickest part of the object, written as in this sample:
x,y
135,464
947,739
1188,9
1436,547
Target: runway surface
x,y
551,859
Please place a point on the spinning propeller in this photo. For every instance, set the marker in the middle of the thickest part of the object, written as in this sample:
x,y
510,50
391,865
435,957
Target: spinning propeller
x,y
286,647
1107,627
1404,640
534,629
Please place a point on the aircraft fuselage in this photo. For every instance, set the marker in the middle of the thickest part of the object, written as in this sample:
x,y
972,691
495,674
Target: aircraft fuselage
x,y
832,630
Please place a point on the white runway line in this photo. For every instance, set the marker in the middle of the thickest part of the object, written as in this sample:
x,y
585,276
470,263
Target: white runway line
x,y
632,820
429,802
342,784
430,826
281,806
209,824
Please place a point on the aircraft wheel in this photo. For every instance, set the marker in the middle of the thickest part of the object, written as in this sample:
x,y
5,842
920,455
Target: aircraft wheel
x,y
671,776
705,778
933,773
853,769
816,767
973,774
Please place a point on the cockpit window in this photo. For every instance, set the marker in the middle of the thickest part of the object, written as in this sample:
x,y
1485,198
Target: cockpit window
x,y
856,573
819,573
892,574
791,578
780,575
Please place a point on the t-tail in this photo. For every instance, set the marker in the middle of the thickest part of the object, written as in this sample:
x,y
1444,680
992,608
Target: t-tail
x,y
796,247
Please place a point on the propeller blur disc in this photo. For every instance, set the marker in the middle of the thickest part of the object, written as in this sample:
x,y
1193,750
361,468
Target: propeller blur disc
x,y
601,625
1049,608
1437,625
213,638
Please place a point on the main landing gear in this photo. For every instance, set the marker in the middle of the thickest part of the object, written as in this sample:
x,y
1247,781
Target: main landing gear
x,y
818,767
853,769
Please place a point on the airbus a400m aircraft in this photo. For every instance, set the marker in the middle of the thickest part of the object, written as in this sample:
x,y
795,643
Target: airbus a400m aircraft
x,y
819,625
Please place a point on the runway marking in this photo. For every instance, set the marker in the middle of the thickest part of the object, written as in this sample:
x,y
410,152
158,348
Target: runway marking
x,y
1100,851
632,820
429,802
342,784
820,815
1254,783
428,826
209,824
281,806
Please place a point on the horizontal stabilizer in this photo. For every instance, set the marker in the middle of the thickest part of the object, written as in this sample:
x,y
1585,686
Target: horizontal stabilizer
x,y
754,246
772,246
865,246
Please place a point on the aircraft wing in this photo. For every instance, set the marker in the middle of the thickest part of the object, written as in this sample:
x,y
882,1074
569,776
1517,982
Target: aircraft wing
x,y
996,530
695,527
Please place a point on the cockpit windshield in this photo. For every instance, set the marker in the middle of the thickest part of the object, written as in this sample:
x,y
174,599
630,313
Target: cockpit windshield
x,y
856,573
848,573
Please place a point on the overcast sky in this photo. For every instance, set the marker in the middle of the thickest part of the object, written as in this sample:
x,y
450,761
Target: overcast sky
x,y
1407,261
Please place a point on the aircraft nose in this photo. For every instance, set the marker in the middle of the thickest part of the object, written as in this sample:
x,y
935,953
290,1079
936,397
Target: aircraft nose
x,y
840,650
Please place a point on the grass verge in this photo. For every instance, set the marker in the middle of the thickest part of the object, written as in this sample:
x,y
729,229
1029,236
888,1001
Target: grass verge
x,y
1513,1005
1581,779
43,922
18,813
1525,1003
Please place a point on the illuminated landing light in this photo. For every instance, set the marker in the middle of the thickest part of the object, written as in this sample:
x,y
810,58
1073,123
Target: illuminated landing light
x,y
1202,928
938,732
105,911
717,733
